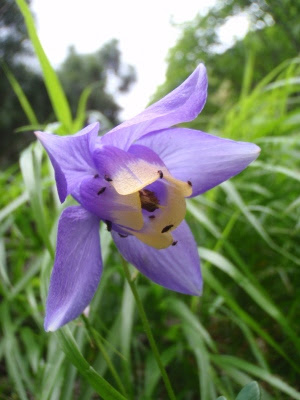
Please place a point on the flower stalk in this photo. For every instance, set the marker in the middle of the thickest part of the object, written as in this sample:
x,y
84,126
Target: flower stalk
x,y
93,336
148,331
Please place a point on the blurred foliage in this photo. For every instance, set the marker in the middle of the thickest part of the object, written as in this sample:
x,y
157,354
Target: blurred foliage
x,y
274,36
244,327
13,32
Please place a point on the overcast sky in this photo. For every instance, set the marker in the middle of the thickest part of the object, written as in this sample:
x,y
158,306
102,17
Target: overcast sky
x,y
143,29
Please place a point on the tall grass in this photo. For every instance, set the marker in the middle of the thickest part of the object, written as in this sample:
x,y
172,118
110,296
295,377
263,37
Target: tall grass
x,y
245,325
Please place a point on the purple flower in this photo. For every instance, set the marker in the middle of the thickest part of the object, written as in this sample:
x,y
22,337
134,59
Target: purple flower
x,y
136,179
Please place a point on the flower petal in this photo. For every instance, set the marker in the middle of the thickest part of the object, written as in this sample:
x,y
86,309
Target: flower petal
x,y
71,157
181,105
77,267
176,268
202,159
148,155
100,198
127,172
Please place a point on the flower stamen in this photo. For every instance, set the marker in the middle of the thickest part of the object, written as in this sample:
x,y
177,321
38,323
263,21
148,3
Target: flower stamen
x,y
101,191
109,225
167,228
107,178
122,236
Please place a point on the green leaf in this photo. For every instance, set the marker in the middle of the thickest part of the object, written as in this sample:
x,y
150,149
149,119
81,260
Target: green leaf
x,y
205,369
31,270
71,350
28,110
221,398
194,209
13,205
82,103
253,290
30,163
81,109
56,94
278,169
216,285
127,320
250,392
256,371
189,319
231,191
152,373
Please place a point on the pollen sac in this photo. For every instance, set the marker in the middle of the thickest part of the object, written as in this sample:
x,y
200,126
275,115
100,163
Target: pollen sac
x,y
122,236
101,190
167,228
108,224
107,178
160,173
149,200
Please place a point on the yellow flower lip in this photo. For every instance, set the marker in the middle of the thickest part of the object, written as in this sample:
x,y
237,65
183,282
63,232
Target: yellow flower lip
x,y
164,217
134,177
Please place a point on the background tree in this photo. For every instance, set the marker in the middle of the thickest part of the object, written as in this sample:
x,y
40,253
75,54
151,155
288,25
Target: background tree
x,y
102,69
16,53
274,36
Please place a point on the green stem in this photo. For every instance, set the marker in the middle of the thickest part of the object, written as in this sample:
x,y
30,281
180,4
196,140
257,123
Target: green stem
x,y
148,331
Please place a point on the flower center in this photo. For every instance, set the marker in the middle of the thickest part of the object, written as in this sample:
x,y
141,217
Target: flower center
x,y
149,201
165,200
143,198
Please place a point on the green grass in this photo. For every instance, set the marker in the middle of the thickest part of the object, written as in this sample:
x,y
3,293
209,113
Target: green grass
x,y
244,327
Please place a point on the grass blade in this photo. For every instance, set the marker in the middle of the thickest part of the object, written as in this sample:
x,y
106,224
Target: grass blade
x,y
262,374
71,350
28,110
56,94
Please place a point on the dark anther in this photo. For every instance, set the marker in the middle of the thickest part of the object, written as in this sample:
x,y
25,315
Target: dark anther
x,y
108,224
96,176
151,216
161,175
167,228
149,201
175,242
190,183
101,190
122,236
107,178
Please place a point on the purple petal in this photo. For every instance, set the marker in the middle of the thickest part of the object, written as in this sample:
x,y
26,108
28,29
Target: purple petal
x,y
181,105
71,157
202,159
77,267
176,268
